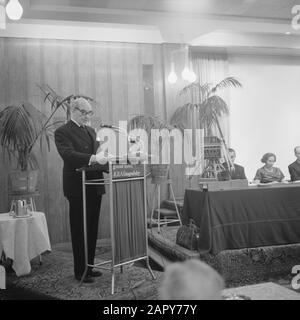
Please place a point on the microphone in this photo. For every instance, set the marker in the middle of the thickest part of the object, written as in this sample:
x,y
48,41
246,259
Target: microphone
x,y
105,126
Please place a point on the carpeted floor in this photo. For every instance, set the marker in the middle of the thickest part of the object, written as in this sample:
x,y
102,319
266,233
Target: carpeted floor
x,y
238,267
54,280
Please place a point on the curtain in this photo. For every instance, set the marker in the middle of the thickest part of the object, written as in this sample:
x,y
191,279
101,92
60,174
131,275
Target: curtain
x,y
212,68
129,221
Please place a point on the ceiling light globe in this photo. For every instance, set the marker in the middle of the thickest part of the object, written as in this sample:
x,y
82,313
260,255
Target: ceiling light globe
x,y
14,10
185,73
192,77
172,78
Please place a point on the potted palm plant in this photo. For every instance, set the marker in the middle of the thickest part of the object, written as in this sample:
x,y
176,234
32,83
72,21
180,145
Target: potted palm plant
x,y
21,127
159,172
205,102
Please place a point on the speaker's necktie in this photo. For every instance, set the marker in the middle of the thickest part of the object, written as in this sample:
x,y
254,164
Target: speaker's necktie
x,y
84,129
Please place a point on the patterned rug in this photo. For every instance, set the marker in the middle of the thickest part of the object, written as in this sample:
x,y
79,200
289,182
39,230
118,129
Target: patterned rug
x,y
54,280
238,267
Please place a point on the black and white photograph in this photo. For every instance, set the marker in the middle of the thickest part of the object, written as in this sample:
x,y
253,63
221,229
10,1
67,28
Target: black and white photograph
x,y
149,153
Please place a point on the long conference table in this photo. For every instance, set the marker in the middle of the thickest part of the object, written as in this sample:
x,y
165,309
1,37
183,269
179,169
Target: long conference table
x,y
250,217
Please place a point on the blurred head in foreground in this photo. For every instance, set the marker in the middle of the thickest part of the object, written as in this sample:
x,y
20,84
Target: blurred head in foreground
x,y
191,280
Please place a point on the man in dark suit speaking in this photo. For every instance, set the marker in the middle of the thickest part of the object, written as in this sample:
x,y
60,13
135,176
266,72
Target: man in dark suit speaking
x,y
235,173
77,145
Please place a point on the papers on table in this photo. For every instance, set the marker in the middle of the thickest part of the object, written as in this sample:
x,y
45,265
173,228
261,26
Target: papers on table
x,y
275,184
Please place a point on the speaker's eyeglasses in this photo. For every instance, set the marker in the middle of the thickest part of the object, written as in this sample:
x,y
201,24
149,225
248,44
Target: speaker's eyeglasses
x,y
84,112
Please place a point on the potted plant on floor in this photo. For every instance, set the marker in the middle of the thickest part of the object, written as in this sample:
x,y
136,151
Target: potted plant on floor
x,y
159,172
205,103
21,128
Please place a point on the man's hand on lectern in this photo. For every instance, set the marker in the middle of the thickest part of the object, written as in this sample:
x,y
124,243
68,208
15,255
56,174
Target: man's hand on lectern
x,y
93,160
103,158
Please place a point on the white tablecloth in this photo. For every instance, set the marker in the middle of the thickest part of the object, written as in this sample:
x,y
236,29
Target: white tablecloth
x,y
23,239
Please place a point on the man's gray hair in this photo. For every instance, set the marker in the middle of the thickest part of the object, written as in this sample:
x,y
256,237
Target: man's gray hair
x,y
80,103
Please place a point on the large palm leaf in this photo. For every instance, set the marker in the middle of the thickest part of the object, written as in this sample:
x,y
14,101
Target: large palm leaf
x,y
229,82
196,92
205,98
19,127
185,115
211,109
57,101
23,125
207,106
147,123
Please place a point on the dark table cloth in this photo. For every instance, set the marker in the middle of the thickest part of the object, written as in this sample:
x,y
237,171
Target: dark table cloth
x,y
246,218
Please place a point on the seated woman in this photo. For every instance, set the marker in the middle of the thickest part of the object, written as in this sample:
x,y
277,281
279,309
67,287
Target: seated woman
x,y
268,173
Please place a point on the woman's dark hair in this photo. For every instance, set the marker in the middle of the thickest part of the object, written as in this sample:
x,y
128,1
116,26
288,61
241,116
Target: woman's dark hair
x,y
266,156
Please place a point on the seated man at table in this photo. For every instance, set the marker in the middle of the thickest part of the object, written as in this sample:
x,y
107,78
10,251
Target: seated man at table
x,y
294,168
235,173
268,173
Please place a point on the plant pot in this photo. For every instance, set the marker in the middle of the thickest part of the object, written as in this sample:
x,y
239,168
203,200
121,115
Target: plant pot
x,y
23,181
159,173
